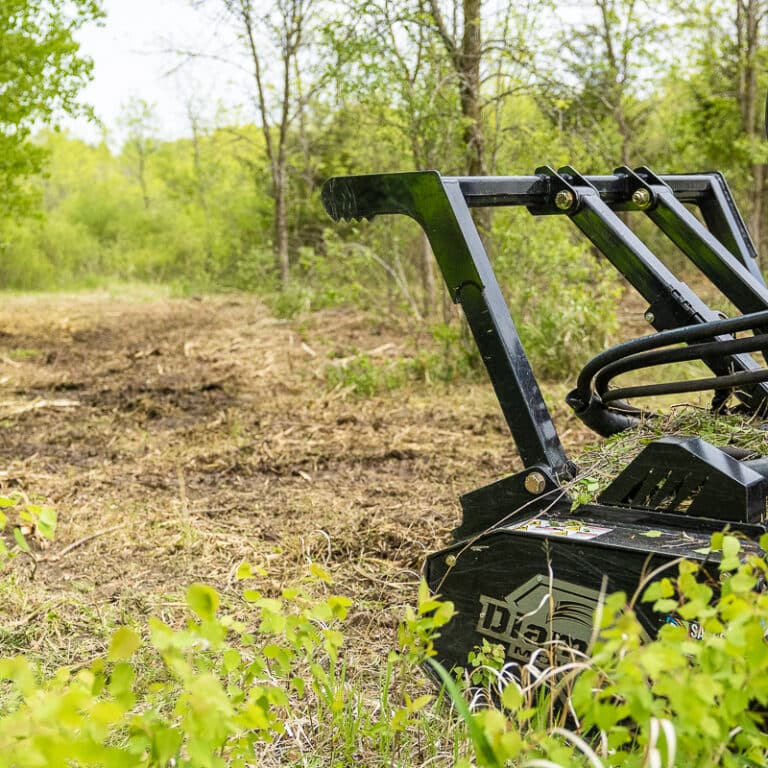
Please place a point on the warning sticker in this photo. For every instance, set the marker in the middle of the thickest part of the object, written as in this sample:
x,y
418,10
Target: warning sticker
x,y
572,529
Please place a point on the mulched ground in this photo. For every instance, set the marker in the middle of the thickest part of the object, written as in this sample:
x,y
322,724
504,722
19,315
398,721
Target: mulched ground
x,y
178,437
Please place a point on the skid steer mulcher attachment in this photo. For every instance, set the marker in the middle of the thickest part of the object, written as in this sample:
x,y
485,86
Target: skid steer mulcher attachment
x,y
526,569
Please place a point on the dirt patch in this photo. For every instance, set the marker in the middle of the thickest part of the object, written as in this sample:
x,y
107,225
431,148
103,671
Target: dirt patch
x,y
177,438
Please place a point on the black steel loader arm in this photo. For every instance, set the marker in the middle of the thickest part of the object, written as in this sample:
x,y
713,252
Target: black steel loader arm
x,y
441,205
438,205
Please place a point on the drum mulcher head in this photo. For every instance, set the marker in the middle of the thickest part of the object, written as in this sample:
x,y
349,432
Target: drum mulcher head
x,y
528,568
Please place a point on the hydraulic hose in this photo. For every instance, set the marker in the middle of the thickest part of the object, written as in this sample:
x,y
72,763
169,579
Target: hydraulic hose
x,y
695,385
591,397
703,351
688,334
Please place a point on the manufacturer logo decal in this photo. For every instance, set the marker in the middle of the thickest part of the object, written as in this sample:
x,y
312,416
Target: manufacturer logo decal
x,y
694,629
555,615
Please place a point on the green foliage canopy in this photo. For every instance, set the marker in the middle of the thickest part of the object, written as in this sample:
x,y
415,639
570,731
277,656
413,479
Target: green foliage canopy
x,y
41,73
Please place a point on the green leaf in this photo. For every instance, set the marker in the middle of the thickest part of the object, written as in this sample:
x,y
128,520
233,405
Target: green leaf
x,y
166,743
742,582
651,534
428,606
46,522
21,541
511,696
232,660
731,546
244,571
339,606
121,683
319,573
123,645
419,703
203,600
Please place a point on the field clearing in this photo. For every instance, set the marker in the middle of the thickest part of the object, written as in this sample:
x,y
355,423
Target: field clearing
x,y
178,437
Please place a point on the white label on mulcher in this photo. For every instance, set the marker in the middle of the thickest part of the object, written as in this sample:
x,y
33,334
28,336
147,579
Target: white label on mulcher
x,y
571,529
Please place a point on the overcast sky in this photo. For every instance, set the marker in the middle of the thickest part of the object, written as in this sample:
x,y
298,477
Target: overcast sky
x,y
132,59
133,54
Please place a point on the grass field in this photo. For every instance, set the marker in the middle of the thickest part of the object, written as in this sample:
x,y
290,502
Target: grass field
x,y
179,438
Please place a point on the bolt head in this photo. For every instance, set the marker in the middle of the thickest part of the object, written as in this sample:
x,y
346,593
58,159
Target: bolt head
x,y
450,560
641,198
535,483
564,199
649,317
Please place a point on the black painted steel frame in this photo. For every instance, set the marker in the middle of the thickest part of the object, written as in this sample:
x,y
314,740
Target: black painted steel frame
x,y
722,250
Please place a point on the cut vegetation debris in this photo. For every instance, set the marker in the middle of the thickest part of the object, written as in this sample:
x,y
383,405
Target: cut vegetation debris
x,y
601,462
226,444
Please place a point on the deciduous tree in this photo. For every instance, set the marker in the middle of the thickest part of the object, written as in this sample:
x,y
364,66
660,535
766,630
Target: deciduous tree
x,y
41,74
606,65
278,37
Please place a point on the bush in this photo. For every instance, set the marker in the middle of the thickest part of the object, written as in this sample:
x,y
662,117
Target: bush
x,y
366,376
221,691
562,298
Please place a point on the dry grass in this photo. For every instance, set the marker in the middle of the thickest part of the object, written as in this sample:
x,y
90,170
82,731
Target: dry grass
x,y
177,438
180,437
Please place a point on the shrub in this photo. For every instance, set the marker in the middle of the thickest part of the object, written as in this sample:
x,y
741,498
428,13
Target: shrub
x,y
562,298
453,359
217,692
694,696
220,691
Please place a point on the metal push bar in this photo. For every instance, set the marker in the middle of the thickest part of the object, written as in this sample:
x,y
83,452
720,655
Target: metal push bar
x,y
722,250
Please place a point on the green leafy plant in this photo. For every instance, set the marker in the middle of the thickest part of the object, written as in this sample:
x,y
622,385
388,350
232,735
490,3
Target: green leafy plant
x,y
217,691
367,376
24,518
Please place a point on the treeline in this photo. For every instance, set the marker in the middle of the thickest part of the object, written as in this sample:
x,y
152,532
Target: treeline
x,y
466,87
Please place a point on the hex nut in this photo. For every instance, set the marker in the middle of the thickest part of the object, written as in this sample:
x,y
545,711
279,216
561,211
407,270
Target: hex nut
x,y
564,199
535,483
641,197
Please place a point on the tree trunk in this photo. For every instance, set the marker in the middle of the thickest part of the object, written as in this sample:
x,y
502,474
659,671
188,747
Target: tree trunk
x,y
143,175
281,224
292,22
465,59
471,105
469,88
749,14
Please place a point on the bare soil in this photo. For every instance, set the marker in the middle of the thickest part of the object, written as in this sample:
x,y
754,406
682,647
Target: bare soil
x,y
177,438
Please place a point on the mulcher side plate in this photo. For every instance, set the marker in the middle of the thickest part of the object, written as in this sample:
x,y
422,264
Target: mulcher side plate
x,y
534,584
